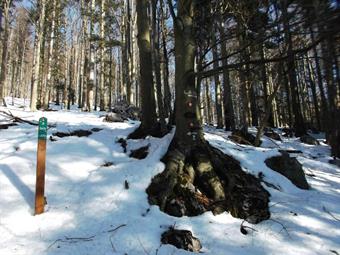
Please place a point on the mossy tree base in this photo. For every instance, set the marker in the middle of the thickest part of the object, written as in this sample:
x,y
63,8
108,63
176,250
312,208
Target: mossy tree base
x,y
201,178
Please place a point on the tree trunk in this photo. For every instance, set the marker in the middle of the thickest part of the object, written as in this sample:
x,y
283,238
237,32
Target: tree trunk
x,y
267,113
91,78
86,55
165,58
265,88
129,53
324,106
157,65
146,80
49,83
5,42
207,100
244,80
299,125
191,164
314,94
188,128
218,96
229,115
37,52
102,57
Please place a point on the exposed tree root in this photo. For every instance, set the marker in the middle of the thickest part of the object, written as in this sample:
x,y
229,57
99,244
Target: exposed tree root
x,y
242,137
202,179
273,135
155,131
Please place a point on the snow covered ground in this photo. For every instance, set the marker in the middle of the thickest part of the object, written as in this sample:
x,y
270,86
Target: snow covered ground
x,y
89,211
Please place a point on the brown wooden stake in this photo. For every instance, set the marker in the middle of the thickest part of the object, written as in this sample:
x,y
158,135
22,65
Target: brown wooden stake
x,y
41,165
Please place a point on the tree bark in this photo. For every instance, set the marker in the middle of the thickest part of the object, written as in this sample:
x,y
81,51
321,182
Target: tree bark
x,y
188,128
229,115
37,52
314,94
4,49
218,96
299,125
165,58
157,65
146,80
91,77
324,105
265,87
102,56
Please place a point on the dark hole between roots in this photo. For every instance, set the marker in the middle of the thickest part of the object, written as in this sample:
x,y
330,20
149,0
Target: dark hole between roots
x,y
140,153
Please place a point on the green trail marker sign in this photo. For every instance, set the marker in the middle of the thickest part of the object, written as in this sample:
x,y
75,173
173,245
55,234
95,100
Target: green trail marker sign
x,y
41,166
42,133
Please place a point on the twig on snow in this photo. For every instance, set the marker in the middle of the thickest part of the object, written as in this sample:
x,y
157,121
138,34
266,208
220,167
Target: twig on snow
x,y
116,228
72,240
111,236
112,245
76,239
145,251
325,210
283,227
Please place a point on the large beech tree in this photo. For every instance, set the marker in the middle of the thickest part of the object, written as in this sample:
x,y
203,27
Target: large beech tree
x,y
198,177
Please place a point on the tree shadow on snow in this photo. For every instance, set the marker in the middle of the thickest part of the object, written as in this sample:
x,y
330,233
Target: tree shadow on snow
x,y
22,188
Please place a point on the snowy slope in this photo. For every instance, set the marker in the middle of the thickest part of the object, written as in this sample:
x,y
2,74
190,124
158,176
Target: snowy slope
x,y
89,210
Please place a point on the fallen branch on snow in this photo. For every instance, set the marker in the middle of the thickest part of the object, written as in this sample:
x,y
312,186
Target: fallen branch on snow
x,y
20,120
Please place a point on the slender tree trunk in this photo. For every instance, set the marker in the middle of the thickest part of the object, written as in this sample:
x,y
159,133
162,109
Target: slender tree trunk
x,y
81,74
314,94
4,49
146,80
324,106
49,83
218,92
111,79
91,78
207,100
265,87
157,65
37,52
102,57
86,52
129,53
244,80
70,93
266,116
165,58
299,125
229,115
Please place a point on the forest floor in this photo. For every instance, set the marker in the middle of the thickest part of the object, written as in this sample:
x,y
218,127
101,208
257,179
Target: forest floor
x,y
97,209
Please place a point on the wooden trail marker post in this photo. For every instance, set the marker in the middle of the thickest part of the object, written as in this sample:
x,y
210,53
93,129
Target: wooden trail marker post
x,y
41,165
